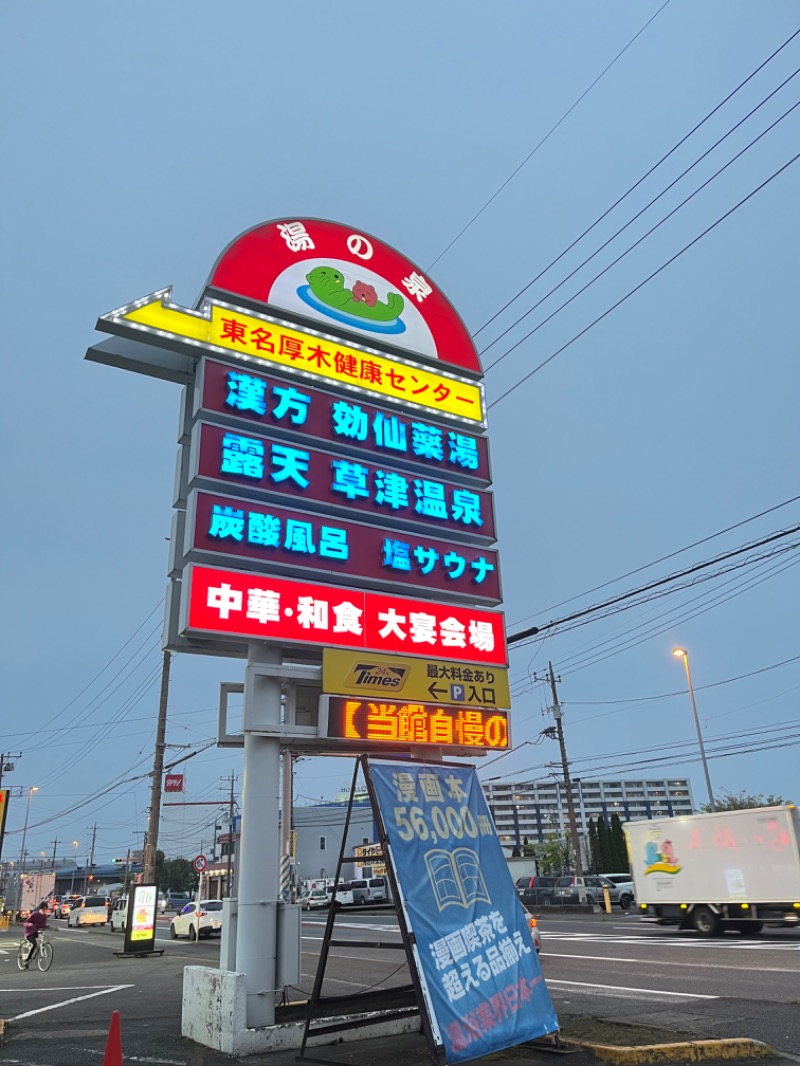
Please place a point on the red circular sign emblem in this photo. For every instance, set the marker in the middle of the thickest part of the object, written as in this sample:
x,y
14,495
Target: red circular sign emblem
x,y
345,280
200,863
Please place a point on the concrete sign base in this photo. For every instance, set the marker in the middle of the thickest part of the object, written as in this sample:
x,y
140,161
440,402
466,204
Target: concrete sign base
x,y
214,1014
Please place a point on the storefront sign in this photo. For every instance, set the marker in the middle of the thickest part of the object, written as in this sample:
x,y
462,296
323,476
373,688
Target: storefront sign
x,y
280,538
299,410
396,677
173,783
284,611
339,276
305,352
140,929
482,980
272,467
387,722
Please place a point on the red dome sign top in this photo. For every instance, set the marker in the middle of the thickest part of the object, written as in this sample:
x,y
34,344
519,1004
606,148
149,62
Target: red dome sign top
x,y
348,280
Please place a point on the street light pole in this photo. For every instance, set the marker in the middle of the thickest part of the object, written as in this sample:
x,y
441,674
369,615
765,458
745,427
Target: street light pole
x,y
681,653
31,791
74,867
34,788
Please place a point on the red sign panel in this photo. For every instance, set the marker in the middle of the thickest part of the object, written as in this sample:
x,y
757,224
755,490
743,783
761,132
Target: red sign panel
x,y
275,468
173,783
199,863
260,606
300,410
348,280
281,538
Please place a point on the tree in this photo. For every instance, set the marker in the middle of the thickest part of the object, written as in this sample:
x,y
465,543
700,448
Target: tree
x,y
743,801
619,850
179,875
160,875
603,846
554,854
594,853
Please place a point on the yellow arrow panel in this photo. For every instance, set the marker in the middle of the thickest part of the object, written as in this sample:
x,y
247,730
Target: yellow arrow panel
x,y
233,331
393,677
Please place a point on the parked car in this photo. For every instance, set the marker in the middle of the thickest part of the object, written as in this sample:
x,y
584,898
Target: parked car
x,y
569,889
176,901
624,883
88,910
317,897
201,918
590,889
368,889
536,891
343,893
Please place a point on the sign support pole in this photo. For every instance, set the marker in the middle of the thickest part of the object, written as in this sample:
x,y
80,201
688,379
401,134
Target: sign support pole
x,y
258,877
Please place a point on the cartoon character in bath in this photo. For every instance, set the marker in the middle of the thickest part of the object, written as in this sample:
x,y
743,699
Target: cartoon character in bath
x,y
668,853
651,854
327,285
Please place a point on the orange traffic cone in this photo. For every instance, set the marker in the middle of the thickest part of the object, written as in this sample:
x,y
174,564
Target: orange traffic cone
x,y
113,1052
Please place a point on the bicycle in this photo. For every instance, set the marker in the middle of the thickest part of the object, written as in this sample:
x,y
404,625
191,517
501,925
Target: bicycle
x,y
44,953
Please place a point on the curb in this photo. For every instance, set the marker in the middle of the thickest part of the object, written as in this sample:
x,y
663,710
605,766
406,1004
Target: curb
x,y
684,1051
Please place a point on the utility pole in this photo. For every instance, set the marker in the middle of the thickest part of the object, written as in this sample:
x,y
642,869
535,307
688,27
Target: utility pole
x,y
573,825
10,765
127,870
55,845
229,880
88,873
151,844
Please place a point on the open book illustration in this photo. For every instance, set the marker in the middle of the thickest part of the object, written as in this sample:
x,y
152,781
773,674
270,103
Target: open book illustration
x,y
455,877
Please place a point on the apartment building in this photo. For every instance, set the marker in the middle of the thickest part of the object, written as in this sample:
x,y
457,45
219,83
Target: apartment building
x,y
537,809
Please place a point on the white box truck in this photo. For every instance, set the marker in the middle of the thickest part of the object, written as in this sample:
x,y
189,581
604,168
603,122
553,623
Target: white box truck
x,y
736,870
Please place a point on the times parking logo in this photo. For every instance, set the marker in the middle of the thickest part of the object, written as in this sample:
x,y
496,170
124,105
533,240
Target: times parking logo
x,y
369,675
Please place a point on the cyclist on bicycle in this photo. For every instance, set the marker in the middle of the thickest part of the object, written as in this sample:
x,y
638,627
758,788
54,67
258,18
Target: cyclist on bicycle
x,y
34,924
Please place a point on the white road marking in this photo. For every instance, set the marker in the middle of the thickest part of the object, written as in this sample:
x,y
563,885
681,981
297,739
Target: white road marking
x,y
660,962
636,991
139,1058
647,941
66,1002
61,988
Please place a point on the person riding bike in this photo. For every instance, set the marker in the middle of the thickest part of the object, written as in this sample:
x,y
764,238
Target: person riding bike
x,y
33,925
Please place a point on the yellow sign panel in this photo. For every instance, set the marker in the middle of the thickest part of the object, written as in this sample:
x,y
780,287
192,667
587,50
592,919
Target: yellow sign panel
x,y
312,354
353,673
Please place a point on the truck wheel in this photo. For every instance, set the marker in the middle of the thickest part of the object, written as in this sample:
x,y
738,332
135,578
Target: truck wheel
x,y
705,921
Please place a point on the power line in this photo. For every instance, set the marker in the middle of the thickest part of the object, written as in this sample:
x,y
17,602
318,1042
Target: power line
x,y
671,555
544,139
514,638
636,184
681,692
645,235
645,281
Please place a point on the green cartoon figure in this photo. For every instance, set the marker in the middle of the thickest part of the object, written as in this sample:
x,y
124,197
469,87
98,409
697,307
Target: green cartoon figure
x,y
327,285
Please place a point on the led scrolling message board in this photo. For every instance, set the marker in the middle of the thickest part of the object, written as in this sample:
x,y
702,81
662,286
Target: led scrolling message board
x,y
333,474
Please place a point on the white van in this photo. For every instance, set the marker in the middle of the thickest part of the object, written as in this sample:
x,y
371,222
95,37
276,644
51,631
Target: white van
x,y
88,910
368,889
119,915
344,896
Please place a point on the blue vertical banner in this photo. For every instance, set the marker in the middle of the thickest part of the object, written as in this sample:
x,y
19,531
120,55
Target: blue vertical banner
x,y
477,961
